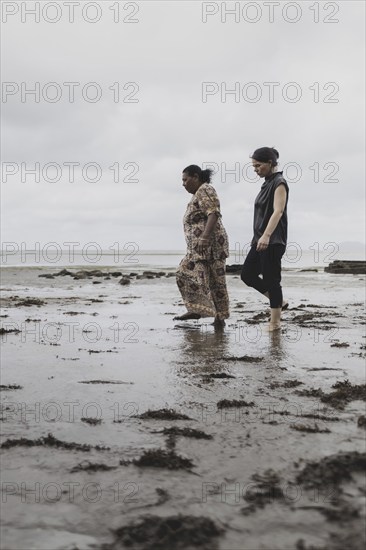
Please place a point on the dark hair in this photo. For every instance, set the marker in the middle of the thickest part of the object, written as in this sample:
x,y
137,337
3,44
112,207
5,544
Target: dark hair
x,y
266,154
203,175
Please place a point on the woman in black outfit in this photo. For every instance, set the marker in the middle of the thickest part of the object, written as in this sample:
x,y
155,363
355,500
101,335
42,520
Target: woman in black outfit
x,y
270,233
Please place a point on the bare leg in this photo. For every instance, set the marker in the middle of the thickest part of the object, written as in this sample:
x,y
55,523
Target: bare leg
x,y
218,323
275,322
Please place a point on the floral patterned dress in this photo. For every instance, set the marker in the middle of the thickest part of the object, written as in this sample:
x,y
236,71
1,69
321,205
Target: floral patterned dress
x,y
201,277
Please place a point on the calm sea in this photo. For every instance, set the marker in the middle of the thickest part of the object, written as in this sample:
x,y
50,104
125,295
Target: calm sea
x,y
136,260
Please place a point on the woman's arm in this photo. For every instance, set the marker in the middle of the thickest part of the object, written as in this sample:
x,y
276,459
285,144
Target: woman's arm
x,y
209,228
279,203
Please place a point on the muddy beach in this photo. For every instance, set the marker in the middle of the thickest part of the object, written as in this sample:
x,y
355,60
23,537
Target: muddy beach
x,y
122,428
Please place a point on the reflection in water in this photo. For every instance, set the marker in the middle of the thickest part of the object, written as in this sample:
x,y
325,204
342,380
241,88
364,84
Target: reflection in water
x,y
202,348
276,348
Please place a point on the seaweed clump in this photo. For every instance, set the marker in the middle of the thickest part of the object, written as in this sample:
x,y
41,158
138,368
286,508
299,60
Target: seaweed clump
x,y
160,458
331,471
186,432
266,490
162,414
87,466
10,387
50,441
163,533
344,392
227,403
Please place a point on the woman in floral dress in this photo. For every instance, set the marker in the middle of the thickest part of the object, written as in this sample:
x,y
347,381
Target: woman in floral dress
x,y
201,274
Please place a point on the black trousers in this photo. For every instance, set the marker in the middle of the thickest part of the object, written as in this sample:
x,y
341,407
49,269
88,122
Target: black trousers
x,y
268,264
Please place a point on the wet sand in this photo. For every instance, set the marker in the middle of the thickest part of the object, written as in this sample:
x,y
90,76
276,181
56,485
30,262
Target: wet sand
x,y
122,428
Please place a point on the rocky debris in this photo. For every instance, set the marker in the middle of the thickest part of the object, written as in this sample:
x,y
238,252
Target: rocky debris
x,y
50,441
10,387
83,274
162,533
162,414
354,267
361,421
63,273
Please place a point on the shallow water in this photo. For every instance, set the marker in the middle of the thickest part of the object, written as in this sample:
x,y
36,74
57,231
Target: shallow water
x,y
130,337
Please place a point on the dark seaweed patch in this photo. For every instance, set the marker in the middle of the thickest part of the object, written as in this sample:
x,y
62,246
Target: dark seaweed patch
x,y
8,331
342,514
10,387
227,403
30,302
104,382
186,432
160,458
50,441
331,471
266,489
344,393
310,429
286,384
167,533
87,466
91,421
217,375
162,414
339,345
245,358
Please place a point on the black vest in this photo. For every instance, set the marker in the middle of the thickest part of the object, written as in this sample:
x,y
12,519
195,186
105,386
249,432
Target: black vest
x,y
263,210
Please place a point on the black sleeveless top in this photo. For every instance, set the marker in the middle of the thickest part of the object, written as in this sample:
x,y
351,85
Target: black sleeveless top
x,y
263,210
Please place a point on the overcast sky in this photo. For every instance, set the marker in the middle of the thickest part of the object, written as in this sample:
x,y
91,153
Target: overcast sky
x,y
171,68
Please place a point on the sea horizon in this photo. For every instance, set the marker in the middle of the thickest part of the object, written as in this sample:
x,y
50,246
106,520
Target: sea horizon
x,y
315,256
